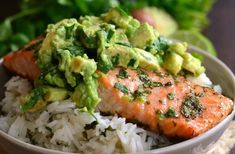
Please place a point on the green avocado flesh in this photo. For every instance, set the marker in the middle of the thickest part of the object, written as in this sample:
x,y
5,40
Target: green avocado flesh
x,y
74,49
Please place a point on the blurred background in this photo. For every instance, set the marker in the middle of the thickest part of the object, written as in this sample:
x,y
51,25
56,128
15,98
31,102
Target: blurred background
x,y
207,24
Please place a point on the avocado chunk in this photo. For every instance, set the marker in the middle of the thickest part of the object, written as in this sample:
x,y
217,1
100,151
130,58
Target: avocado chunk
x,y
143,36
83,65
118,55
87,31
59,36
147,60
33,101
121,38
55,79
122,20
173,62
192,64
86,95
179,48
55,94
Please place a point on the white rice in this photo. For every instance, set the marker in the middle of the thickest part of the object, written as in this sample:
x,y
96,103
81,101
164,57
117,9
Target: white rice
x,y
204,81
61,126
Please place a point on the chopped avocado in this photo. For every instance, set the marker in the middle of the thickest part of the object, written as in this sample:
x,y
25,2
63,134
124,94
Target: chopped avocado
x,y
179,48
192,64
87,30
57,38
147,36
122,20
83,65
121,38
55,94
147,60
65,59
38,106
173,62
55,79
33,100
158,47
119,55
86,95
74,50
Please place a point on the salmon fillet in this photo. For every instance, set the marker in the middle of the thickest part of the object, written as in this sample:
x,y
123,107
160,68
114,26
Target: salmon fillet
x,y
23,62
215,106
173,106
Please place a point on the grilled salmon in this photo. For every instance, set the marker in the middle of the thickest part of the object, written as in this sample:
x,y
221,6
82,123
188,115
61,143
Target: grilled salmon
x,y
159,101
23,62
170,97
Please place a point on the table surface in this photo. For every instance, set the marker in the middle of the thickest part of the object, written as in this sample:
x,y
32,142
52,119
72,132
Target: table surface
x,y
221,30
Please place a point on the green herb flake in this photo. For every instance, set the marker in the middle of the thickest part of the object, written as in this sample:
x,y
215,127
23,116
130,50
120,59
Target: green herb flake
x,y
49,129
115,60
122,74
34,97
171,96
191,107
140,94
131,63
124,44
102,66
91,125
199,94
170,113
161,116
84,134
168,84
121,87
109,128
160,74
157,84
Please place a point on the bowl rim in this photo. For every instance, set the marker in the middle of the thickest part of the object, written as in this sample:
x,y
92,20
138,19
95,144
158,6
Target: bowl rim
x,y
169,148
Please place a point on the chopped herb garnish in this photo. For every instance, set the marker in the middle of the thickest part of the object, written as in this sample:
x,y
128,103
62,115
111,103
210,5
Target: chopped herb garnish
x,y
140,71
110,34
109,128
33,99
124,44
191,107
168,84
102,66
49,129
140,94
121,87
160,74
132,62
122,74
115,60
160,115
171,96
170,113
199,94
157,84
91,125
147,82
84,134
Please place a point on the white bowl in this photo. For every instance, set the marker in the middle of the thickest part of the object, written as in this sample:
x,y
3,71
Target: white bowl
x,y
217,71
